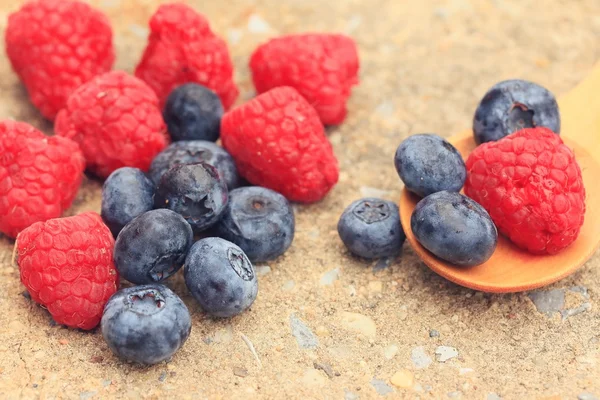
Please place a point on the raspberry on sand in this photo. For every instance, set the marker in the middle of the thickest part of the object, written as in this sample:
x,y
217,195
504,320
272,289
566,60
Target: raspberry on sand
x,y
531,185
39,176
278,142
55,46
321,67
67,266
182,49
116,120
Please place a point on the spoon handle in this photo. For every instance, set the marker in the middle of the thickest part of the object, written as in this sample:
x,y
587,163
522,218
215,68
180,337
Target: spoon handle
x,y
580,113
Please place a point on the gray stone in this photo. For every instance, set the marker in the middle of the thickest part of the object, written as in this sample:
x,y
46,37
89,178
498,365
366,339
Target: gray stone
x,y
581,289
329,277
548,301
433,333
87,395
304,336
381,387
348,395
586,396
382,263
419,357
574,311
445,353
493,396
262,270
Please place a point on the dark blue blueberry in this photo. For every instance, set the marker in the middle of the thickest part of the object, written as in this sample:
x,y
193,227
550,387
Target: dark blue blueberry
x,y
193,112
260,221
153,246
195,191
370,228
512,105
220,277
428,163
455,228
145,324
195,151
126,193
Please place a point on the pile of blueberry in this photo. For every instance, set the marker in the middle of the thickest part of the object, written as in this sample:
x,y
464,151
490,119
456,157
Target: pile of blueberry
x,y
189,211
449,224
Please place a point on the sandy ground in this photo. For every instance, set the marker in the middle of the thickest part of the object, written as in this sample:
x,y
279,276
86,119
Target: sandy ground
x,y
327,325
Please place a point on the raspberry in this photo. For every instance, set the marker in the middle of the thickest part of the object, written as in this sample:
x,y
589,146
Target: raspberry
x,y
322,67
39,176
278,142
531,185
183,49
116,120
55,46
66,264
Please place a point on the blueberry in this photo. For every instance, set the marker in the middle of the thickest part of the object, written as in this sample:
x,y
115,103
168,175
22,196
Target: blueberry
x,y
194,151
153,246
455,228
427,164
126,193
370,228
195,191
220,277
193,112
145,324
260,221
512,105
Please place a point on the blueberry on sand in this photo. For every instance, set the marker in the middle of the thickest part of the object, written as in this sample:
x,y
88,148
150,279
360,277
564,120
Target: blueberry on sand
x,y
370,228
126,193
153,246
220,277
259,220
145,324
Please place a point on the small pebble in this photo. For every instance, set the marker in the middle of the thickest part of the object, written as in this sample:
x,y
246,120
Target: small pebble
x,y
403,379
359,323
348,395
381,387
305,338
586,396
445,353
325,368
403,313
548,301
262,270
375,286
329,277
162,377
312,377
322,331
87,395
493,396
288,286
433,333
419,357
241,372
390,351
63,341
454,395
256,24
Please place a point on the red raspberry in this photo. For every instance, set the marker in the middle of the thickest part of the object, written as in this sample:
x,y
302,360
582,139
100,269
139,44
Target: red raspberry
x,y
55,46
116,120
322,67
182,49
39,176
278,142
66,264
531,185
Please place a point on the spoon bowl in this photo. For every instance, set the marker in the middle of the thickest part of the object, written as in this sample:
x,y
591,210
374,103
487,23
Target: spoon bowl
x,y
511,269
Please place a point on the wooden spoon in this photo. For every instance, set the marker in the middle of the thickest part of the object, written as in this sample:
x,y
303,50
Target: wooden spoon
x,y
511,269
